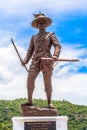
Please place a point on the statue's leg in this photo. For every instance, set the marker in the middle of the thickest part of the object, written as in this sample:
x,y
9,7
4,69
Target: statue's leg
x,y
48,88
33,72
47,74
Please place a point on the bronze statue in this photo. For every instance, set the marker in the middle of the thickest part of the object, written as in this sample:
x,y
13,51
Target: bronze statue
x,y
42,59
40,46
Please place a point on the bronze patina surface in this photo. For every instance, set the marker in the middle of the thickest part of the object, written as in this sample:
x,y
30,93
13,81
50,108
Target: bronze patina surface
x,y
40,46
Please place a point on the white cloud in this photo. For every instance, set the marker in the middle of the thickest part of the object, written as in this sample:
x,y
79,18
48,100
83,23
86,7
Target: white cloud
x,y
5,37
17,15
63,69
5,75
12,74
15,88
10,63
71,51
72,88
23,7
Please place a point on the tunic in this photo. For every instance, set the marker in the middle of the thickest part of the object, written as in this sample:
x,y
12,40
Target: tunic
x,y
40,46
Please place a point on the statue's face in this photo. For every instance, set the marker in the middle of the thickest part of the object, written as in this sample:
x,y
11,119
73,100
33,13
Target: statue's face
x,y
41,24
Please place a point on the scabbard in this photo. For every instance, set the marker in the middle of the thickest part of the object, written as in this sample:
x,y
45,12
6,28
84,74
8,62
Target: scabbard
x,y
61,60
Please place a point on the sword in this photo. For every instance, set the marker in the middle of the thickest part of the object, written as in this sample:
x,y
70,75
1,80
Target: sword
x,y
63,60
18,53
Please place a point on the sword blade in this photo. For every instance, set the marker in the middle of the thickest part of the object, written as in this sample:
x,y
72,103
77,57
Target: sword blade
x,y
18,53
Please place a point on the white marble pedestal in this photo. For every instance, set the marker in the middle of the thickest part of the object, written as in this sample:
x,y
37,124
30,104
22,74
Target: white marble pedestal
x,y
60,122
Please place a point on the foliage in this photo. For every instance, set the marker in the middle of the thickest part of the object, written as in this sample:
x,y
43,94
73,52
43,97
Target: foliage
x,y
77,114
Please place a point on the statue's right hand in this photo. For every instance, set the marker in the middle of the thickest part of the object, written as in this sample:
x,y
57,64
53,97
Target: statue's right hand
x,y
23,62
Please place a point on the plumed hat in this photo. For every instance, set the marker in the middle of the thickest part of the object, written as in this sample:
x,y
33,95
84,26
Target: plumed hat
x,y
39,17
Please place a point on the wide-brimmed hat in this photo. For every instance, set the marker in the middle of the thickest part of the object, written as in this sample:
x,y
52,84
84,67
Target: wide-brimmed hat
x,y
39,17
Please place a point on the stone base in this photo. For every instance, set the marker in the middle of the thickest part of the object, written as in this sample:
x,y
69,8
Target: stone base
x,y
40,123
35,111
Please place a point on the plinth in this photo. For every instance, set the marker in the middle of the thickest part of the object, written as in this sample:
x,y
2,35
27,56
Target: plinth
x,y
36,111
40,123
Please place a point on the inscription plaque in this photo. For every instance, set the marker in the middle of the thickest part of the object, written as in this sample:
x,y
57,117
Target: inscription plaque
x,y
45,125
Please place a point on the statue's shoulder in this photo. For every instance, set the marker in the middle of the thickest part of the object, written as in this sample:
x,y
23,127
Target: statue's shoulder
x,y
34,36
49,34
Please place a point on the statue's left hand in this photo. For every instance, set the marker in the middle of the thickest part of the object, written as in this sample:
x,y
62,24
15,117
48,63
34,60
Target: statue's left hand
x,y
54,58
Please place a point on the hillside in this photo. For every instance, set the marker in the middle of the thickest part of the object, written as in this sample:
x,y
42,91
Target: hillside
x,y
77,114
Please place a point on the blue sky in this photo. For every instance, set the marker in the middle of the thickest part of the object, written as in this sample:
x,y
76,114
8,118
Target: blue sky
x,y
69,20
